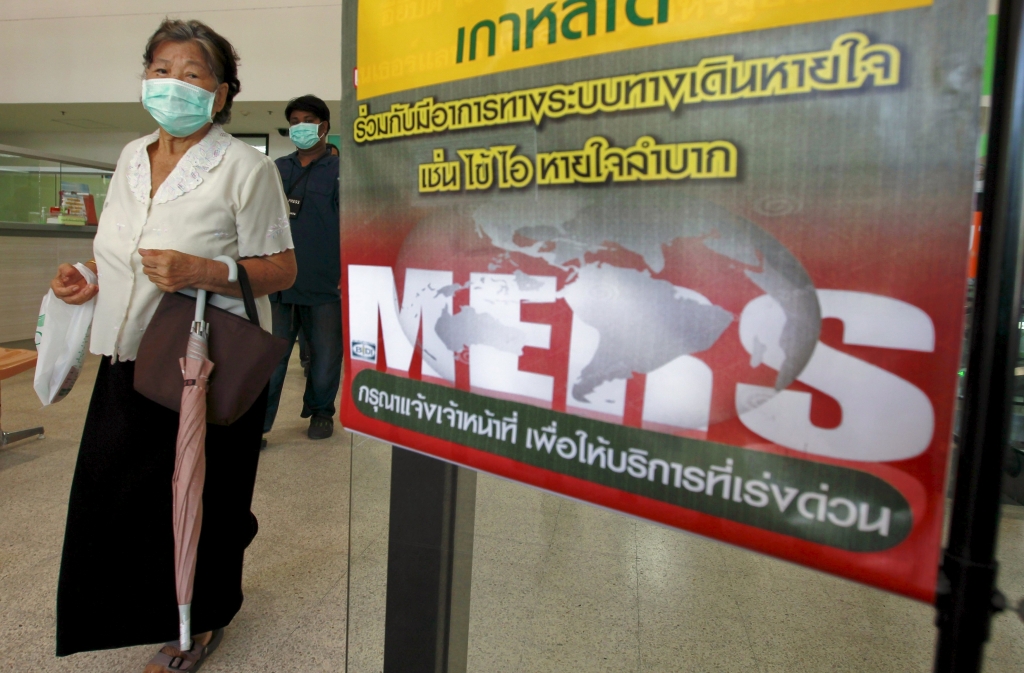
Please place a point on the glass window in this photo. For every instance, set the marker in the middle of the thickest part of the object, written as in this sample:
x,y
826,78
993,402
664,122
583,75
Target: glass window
x,y
31,184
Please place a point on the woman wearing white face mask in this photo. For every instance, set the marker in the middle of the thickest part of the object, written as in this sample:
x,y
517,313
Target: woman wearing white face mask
x,y
179,197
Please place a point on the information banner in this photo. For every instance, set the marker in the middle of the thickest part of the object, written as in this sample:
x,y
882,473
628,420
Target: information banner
x,y
700,262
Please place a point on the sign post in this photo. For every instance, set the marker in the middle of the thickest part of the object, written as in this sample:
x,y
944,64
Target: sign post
x,y
430,564
967,596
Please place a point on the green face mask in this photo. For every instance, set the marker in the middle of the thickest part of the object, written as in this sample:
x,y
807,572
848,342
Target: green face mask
x,y
305,135
178,107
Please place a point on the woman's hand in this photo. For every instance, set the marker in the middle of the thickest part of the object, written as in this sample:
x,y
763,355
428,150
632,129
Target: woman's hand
x,y
70,286
171,270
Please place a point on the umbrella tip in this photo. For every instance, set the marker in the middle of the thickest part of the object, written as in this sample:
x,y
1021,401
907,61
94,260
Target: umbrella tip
x,y
185,627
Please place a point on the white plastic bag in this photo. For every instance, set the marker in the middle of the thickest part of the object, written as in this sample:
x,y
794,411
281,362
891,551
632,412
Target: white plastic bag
x,y
62,338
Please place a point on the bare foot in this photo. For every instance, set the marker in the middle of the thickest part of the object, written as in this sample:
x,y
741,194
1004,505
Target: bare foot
x,y
170,650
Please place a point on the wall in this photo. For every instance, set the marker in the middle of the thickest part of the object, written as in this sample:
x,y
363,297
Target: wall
x,y
26,267
84,57
76,64
98,146
56,51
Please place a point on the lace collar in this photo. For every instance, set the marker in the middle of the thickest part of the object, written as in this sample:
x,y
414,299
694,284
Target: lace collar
x,y
201,158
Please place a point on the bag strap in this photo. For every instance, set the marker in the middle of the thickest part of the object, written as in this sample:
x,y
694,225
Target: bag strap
x,y
304,175
247,296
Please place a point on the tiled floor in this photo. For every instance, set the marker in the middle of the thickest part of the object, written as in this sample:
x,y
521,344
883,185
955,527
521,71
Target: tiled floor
x,y
557,585
293,619
563,586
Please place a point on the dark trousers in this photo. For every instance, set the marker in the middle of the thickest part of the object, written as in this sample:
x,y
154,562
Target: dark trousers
x,y
116,583
321,326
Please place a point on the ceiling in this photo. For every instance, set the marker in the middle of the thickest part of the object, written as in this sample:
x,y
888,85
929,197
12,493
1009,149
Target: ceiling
x,y
34,10
246,117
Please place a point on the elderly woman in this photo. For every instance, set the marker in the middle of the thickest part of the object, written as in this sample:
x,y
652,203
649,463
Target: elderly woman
x,y
179,197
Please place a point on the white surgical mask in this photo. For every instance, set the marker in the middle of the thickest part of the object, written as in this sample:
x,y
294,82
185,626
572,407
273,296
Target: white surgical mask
x,y
178,107
305,135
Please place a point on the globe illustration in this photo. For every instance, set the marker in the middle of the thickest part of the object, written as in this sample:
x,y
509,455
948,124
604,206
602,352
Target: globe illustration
x,y
653,274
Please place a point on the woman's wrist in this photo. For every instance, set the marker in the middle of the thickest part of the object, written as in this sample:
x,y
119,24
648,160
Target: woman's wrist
x,y
212,275
202,275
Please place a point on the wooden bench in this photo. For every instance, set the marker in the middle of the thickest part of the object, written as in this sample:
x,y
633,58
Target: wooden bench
x,y
13,362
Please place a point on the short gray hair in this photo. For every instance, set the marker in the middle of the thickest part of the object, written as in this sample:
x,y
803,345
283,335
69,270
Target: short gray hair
x,y
221,57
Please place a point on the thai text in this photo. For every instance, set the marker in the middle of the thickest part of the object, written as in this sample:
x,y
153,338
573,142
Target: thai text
x,y
546,25
852,62
485,424
713,481
597,162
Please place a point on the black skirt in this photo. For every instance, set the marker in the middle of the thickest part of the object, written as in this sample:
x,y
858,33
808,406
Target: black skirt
x,y
116,586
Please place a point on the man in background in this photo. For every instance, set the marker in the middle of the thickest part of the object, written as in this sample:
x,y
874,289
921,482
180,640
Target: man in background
x,y
312,306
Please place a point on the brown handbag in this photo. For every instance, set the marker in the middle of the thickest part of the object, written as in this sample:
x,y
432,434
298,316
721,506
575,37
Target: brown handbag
x,y
243,354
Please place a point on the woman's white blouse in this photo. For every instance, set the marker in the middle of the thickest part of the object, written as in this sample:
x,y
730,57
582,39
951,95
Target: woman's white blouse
x,y
223,198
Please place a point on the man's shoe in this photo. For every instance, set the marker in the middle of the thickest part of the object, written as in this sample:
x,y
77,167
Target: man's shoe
x,y
263,443
320,427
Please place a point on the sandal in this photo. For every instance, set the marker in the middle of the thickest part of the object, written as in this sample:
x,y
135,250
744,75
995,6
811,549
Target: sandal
x,y
192,660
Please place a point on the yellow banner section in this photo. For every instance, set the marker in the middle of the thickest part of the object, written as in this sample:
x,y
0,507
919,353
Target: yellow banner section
x,y
405,44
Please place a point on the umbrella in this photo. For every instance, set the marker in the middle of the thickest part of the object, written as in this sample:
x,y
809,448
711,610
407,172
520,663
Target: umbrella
x,y
190,461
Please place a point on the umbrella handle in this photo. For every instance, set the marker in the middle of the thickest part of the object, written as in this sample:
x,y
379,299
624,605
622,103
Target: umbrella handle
x,y
201,294
232,267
